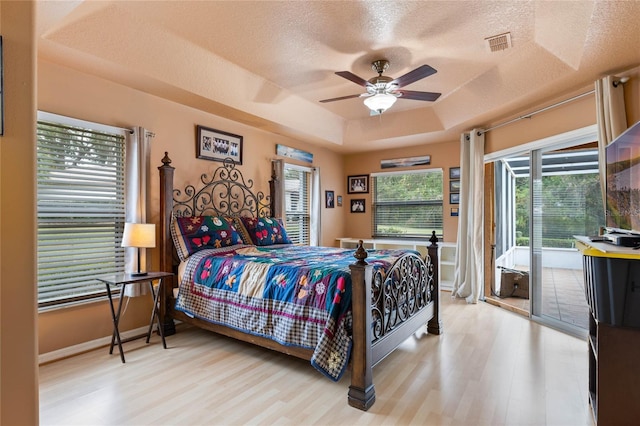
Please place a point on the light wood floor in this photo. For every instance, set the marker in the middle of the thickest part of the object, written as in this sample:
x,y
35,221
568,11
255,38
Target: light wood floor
x,y
490,367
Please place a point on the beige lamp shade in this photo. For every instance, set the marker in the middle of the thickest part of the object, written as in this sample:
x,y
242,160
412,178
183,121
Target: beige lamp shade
x,y
139,235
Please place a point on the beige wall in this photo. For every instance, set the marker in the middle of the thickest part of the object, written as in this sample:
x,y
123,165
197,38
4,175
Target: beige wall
x,y
74,94
570,116
443,155
632,96
18,347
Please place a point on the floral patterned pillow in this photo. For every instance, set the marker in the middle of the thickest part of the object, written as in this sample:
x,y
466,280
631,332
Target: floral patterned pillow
x,y
266,231
192,234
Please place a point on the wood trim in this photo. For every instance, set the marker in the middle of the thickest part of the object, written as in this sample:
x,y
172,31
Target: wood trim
x,y
489,226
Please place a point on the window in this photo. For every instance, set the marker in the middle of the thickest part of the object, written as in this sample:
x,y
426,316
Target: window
x,y
407,204
81,209
297,182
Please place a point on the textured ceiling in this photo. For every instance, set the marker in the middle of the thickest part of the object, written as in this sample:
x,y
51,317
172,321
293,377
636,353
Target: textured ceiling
x,y
268,63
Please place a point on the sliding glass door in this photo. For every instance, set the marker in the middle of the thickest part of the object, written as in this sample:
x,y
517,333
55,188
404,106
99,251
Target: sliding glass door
x,y
542,199
565,201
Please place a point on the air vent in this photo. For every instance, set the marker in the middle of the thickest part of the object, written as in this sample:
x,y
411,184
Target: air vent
x,y
499,42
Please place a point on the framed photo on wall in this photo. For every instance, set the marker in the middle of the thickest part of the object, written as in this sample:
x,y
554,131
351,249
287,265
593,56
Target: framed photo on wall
x,y
216,145
454,186
339,200
357,205
329,199
454,198
454,172
358,184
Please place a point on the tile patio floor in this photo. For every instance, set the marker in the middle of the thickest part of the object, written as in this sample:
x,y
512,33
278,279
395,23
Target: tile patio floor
x,y
563,296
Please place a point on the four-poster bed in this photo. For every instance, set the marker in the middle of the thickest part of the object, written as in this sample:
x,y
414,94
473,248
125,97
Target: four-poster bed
x,y
391,297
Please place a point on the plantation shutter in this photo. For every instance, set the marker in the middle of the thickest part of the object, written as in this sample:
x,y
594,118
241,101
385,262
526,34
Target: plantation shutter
x,y
407,204
81,210
297,204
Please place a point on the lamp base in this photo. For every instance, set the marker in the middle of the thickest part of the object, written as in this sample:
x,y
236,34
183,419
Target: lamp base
x,y
138,274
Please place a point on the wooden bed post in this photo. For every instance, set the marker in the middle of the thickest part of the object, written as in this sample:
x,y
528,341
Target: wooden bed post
x,y
434,325
166,244
362,393
275,200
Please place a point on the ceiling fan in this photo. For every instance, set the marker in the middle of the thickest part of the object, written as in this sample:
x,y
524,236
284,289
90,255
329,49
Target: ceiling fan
x,y
382,91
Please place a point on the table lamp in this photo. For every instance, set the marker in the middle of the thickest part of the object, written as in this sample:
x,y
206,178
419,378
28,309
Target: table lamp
x,y
139,235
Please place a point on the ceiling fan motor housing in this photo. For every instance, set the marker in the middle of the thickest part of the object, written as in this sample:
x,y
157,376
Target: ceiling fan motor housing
x,y
380,84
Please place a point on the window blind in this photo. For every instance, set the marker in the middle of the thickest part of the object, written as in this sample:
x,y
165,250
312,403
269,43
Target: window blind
x,y
297,204
407,204
81,210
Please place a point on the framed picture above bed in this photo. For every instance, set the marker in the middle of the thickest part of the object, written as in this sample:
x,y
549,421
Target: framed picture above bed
x,y
216,145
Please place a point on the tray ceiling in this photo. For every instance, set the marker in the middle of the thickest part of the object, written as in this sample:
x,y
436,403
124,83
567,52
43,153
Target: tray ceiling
x,y
268,63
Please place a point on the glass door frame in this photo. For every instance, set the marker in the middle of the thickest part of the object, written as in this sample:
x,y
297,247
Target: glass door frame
x,y
535,246
564,140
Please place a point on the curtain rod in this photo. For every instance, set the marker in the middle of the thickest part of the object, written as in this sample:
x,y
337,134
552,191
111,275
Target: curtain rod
x,y
537,111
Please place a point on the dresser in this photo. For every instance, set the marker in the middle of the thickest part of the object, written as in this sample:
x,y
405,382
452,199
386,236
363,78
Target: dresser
x,y
612,288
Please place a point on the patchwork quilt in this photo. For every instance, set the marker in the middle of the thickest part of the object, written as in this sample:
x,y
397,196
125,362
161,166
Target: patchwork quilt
x,y
295,295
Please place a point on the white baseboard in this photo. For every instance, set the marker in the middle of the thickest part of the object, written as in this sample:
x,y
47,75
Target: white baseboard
x,y
89,346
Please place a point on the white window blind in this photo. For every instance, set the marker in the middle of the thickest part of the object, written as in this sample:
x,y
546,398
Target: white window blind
x,y
407,204
81,210
297,183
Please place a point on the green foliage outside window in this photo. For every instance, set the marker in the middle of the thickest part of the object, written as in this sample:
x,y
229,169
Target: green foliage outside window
x,y
571,205
407,204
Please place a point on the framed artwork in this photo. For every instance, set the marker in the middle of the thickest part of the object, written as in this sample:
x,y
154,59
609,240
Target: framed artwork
x,y
296,154
454,186
339,200
454,198
358,184
357,205
328,199
454,172
406,162
216,145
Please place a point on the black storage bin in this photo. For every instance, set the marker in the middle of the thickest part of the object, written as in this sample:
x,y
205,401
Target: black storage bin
x,y
612,289
513,283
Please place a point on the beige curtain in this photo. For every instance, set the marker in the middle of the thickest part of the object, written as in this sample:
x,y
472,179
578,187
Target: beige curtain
x,y
469,273
611,119
137,188
316,208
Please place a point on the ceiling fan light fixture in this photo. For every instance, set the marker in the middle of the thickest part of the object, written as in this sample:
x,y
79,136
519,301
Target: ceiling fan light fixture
x,y
380,102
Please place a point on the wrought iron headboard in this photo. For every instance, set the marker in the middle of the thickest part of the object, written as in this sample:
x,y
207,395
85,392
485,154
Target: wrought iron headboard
x,y
225,192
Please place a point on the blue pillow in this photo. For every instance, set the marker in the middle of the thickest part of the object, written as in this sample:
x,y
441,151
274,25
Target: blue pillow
x,y
192,234
266,231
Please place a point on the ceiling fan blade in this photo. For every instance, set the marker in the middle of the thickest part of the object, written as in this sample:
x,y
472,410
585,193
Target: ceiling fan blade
x,y
352,77
418,96
413,76
340,98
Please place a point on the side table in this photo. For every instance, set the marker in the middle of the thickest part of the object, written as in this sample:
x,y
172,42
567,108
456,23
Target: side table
x,y
122,280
